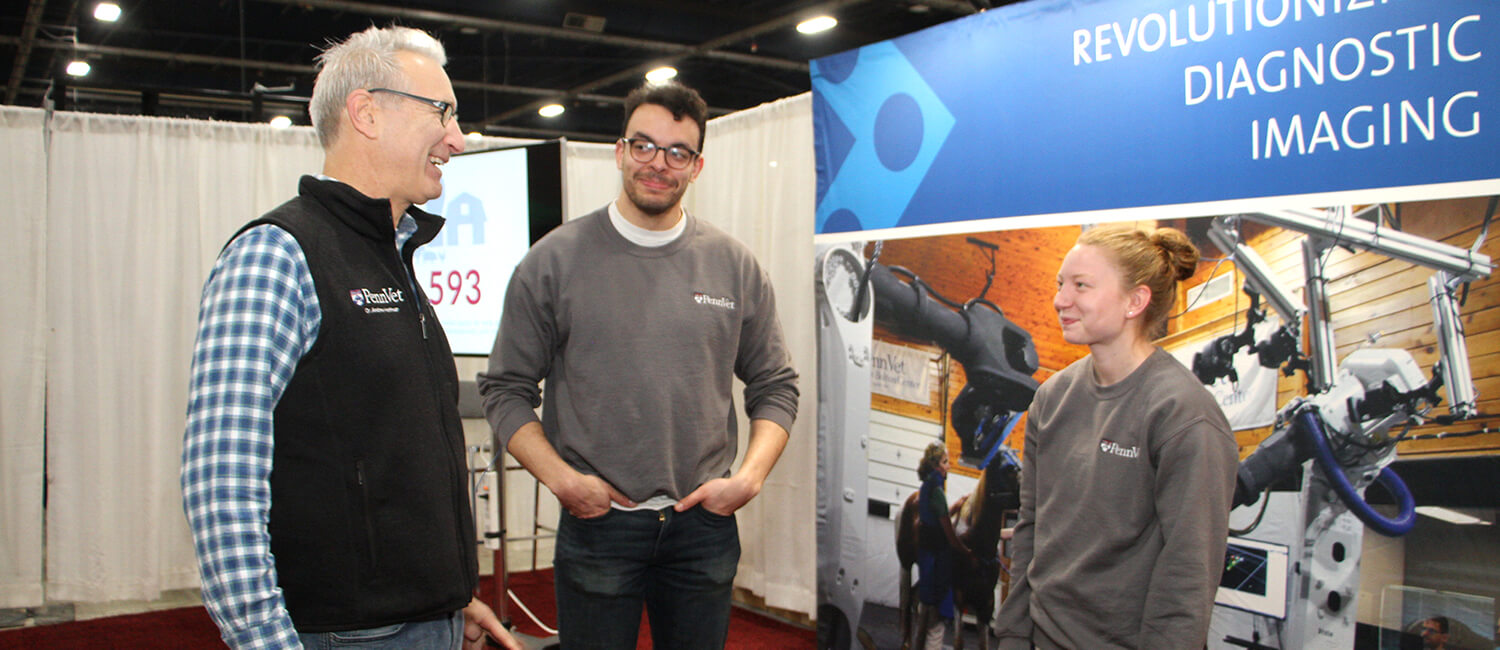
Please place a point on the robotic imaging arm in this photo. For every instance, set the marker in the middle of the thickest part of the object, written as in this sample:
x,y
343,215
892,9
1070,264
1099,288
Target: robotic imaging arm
x,y
997,355
1347,431
1344,423
1216,360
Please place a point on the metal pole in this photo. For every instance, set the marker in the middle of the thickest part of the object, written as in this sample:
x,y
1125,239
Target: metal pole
x,y
1258,274
1346,230
1319,329
1452,348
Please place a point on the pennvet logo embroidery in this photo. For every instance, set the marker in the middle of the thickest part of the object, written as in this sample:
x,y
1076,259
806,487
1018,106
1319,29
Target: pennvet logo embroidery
x,y
386,296
705,299
1114,448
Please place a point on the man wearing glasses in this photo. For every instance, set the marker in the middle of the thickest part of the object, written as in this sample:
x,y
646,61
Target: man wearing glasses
x,y
639,316
323,471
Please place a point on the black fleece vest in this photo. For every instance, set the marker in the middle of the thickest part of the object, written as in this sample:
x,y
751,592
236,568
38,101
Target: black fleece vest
x,y
370,522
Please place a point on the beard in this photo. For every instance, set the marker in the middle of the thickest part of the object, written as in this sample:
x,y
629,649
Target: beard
x,y
654,204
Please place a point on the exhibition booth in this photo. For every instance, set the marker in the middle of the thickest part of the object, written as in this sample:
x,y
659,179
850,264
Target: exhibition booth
x,y
115,223
1329,157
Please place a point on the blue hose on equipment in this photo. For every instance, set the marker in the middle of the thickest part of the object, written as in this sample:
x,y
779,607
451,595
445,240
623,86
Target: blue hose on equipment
x,y
1406,518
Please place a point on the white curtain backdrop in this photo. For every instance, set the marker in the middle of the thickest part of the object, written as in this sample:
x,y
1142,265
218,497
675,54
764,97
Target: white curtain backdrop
x,y
113,236
23,183
138,210
758,184
590,178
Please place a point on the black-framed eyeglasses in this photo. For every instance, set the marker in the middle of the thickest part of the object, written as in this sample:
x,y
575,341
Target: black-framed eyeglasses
x,y
644,151
447,110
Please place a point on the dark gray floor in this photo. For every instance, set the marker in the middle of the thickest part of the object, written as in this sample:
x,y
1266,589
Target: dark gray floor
x,y
883,627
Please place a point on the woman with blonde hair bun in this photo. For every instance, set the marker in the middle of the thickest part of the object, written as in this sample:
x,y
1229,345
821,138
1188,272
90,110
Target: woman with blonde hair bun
x,y
1128,466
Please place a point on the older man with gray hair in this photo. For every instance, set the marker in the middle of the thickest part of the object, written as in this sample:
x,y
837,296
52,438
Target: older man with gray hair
x,y
323,469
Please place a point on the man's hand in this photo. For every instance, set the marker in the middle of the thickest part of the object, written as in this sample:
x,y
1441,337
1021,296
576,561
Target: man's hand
x,y
588,496
480,620
583,495
721,496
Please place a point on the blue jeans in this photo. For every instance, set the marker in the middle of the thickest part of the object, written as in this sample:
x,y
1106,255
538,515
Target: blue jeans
x,y
440,634
680,565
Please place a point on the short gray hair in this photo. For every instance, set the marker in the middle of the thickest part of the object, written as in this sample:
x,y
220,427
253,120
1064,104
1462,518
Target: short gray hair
x,y
366,59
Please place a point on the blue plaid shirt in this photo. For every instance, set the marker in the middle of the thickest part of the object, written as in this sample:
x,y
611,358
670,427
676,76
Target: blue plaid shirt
x,y
259,314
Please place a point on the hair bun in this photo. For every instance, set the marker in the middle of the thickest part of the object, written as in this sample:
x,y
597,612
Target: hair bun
x,y
1179,252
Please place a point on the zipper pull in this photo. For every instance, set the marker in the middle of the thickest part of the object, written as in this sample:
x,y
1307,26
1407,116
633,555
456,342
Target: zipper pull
x,y
423,314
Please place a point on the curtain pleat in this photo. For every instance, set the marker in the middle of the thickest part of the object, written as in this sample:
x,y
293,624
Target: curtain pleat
x,y
758,184
22,357
138,209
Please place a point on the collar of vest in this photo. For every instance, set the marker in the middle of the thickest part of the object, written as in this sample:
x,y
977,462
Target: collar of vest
x,y
366,216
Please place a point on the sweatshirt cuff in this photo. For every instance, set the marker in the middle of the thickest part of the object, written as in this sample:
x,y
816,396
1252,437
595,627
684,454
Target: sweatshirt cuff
x,y
511,422
780,416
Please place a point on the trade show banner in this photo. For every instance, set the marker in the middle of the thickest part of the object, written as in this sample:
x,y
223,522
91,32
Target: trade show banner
x,y
1293,142
1069,105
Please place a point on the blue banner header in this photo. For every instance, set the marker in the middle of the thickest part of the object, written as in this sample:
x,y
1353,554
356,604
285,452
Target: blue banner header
x,y
1060,106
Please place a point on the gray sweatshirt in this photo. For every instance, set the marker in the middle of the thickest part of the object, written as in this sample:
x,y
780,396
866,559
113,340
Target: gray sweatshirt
x,y
639,348
1125,498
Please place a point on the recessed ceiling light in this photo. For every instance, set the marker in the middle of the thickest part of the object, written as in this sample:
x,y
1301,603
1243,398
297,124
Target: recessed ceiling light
x,y
816,25
281,121
107,12
78,68
661,74
550,110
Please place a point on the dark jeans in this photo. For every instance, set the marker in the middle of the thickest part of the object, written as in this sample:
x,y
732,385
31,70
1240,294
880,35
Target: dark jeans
x,y
446,632
680,565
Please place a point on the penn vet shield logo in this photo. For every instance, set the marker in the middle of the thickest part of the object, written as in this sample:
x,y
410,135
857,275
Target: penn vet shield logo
x,y
386,300
1115,448
713,301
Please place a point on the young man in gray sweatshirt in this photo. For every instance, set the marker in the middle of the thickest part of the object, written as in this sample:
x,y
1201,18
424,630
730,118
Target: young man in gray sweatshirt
x,y
639,316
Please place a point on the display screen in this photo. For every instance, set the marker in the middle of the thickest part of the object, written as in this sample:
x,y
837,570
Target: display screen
x,y
1255,577
496,203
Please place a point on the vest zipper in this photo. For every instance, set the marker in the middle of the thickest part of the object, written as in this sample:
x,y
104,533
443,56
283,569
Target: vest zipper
x,y
459,468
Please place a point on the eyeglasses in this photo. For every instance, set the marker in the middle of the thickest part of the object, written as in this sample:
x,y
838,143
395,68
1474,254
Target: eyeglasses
x,y
644,151
447,110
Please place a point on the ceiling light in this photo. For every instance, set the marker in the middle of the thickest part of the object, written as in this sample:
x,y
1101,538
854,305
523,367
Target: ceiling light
x,y
550,110
107,12
1450,516
281,121
78,68
816,25
661,74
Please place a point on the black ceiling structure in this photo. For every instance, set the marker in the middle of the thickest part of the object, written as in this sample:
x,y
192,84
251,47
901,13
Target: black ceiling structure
x,y
248,60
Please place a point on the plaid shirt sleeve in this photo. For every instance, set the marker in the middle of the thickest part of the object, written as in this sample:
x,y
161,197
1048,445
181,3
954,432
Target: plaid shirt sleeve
x,y
258,316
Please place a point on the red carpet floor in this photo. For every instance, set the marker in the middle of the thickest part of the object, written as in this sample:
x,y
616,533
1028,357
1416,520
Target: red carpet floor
x,y
191,628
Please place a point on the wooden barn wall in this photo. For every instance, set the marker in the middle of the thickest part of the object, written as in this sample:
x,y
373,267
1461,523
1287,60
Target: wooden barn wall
x,y
1375,301
1025,280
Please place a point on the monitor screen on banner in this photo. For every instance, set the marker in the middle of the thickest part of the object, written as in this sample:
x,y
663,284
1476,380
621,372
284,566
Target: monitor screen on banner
x,y
496,203
1255,577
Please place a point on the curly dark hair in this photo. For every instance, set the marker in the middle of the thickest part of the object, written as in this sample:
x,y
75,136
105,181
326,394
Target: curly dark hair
x,y
681,100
